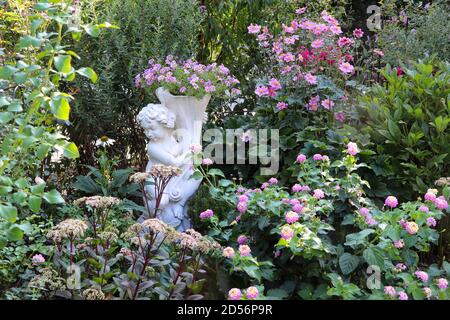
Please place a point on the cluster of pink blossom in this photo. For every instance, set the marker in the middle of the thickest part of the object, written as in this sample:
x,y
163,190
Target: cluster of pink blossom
x,y
37,259
188,77
303,51
251,293
206,214
295,204
364,212
440,202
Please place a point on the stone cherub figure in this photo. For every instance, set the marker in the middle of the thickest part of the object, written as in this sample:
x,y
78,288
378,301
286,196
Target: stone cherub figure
x,y
164,148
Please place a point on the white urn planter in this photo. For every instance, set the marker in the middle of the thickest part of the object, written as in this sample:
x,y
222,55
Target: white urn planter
x,y
172,127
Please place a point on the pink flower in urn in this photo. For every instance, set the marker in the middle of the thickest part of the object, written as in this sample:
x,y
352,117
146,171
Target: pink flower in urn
x,y
234,294
244,250
391,202
37,259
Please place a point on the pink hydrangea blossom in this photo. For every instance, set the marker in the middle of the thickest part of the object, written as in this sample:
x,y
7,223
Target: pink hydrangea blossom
x,y
242,239
389,290
228,252
287,233
399,244
297,208
301,158
424,209
352,148
234,294
412,228
291,217
241,207
206,214
317,157
37,259
441,203
318,194
391,202
431,222
244,250
296,188
442,283
273,181
252,293
402,295
422,275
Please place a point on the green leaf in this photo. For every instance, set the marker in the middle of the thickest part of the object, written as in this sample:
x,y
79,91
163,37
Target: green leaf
x,y
60,108
374,256
88,73
8,212
34,203
348,263
91,30
355,239
63,63
14,234
6,72
53,197
71,151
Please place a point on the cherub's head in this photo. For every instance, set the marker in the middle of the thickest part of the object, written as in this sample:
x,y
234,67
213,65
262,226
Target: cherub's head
x,y
156,120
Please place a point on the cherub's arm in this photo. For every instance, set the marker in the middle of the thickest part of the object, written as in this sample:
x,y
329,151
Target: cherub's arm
x,y
161,156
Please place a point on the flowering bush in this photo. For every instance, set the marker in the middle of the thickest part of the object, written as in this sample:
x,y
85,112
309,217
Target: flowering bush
x,y
313,239
188,77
